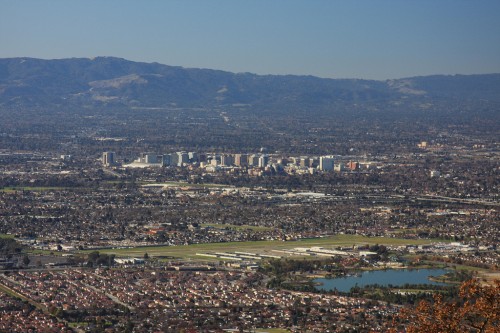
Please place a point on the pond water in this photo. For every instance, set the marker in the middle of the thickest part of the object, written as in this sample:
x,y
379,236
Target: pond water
x,y
383,278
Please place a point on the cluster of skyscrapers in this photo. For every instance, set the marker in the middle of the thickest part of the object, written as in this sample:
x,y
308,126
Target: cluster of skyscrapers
x,y
261,160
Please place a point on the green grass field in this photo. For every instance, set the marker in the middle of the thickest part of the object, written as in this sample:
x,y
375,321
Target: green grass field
x,y
263,247
34,189
182,184
11,293
236,227
441,264
6,236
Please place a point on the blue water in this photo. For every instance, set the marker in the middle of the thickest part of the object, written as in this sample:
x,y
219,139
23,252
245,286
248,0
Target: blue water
x,y
383,278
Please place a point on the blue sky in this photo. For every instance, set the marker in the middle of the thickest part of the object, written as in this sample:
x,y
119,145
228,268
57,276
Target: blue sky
x,y
371,39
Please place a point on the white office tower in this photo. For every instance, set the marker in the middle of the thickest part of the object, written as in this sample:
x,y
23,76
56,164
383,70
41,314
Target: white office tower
x,y
193,157
253,160
183,157
263,160
326,163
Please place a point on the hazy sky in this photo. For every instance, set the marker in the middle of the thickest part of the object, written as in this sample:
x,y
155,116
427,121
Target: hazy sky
x,y
371,39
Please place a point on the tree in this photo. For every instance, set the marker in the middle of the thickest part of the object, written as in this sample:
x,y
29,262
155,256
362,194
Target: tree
x,y
9,246
476,310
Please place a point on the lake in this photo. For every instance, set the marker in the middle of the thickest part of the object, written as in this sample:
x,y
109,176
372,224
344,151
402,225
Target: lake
x,y
383,278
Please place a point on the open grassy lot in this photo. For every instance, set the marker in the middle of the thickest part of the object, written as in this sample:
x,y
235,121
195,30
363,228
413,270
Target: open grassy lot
x,y
236,227
182,184
455,266
10,292
6,236
34,189
263,247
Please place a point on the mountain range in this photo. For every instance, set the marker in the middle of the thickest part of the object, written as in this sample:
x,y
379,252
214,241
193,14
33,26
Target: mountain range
x,y
109,81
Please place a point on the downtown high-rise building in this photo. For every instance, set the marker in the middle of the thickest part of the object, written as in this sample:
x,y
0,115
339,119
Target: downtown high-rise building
x,y
253,160
182,157
263,160
108,158
226,160
326,163
240,160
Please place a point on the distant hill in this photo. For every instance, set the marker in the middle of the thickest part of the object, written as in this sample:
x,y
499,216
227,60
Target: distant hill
x,y
113,81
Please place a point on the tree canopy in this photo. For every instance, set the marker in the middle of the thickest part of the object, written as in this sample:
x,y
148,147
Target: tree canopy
x,y
477,309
